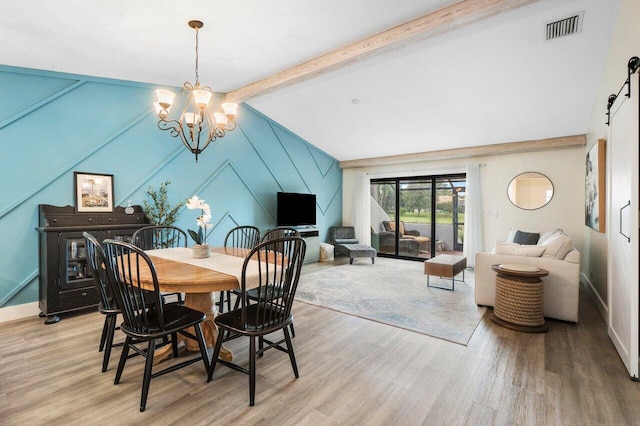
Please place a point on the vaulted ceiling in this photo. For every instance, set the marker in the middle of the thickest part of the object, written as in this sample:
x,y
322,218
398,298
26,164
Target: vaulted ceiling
x,y
452,75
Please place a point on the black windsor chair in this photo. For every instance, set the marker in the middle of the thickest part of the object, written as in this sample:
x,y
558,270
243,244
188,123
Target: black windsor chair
x,y
276,233
144,322
239,237
158,237
107,305
280,262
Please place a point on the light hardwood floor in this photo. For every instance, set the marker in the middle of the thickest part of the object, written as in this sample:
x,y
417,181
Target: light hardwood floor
x,y
352,371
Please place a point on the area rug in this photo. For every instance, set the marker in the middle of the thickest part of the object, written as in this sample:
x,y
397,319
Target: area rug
x,y
395,292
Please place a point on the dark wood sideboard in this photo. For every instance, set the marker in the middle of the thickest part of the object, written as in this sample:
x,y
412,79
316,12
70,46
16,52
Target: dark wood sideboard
x,y
65,284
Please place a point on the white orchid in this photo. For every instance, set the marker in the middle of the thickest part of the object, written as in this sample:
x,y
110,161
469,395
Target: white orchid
x,y
193,203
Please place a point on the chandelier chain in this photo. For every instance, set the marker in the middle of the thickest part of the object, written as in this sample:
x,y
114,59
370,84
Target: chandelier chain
x,y
197,79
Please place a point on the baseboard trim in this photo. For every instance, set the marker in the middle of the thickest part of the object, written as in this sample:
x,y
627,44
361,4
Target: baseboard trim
x,y
25,310
600,304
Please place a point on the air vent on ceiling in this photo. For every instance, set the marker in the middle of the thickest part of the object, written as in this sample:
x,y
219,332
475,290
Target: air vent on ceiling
x,y
566,26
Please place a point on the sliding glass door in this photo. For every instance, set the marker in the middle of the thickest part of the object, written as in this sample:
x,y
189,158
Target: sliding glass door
x,y
418,217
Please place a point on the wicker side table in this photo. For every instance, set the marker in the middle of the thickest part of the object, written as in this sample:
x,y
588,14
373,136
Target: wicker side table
x,y
519,298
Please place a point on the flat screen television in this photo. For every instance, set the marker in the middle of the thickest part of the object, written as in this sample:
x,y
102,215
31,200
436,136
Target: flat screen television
x,y
295,209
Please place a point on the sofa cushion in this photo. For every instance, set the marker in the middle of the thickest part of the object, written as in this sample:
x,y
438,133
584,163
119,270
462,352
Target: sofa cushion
x,y
519,250
346,241
557,246
526,238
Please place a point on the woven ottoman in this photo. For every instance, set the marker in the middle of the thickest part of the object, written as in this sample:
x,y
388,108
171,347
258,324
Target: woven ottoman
x,y
356,250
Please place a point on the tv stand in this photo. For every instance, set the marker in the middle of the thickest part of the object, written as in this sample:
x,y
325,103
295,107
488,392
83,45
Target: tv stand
x,y
311,236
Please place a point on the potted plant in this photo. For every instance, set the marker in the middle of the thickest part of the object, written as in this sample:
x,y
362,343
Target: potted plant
x,y
201,248
159,211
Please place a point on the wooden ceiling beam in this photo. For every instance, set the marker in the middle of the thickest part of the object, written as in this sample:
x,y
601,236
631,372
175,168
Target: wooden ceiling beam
x,y
564,142
445,19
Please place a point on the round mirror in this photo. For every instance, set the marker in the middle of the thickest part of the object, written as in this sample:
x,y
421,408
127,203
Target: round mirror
x,y
530,190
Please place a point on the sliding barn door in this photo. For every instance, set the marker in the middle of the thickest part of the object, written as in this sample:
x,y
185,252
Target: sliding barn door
x,y
622,226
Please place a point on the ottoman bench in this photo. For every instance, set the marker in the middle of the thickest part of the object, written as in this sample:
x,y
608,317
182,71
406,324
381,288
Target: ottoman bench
x,y
356,250
445,265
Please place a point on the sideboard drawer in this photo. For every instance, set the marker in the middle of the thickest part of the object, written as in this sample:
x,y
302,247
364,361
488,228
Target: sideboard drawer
x,y
71,299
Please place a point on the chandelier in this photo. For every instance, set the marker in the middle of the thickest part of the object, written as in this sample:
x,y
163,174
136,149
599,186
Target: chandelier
x,y
198,125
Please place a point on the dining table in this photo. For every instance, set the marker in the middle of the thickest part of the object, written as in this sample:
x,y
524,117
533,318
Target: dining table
x,y
200,280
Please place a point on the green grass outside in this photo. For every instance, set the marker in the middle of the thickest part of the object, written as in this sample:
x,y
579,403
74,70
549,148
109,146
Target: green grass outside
x,y
425,217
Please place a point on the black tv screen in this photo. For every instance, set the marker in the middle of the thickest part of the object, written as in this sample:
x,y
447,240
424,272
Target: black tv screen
x,y
296,209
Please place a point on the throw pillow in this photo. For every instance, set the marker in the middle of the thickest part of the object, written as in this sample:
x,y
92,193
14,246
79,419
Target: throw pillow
x,y
391,226
547,235
511,235
557,247
526,238
519,250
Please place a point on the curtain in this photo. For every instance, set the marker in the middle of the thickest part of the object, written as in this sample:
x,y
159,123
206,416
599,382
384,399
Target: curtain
x,y
360,215
473,234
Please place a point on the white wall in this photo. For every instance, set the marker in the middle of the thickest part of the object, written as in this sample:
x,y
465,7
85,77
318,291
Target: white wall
x,y
625,43
564,167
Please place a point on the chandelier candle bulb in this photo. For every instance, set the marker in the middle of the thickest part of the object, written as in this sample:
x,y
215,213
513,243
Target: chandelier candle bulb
x,y
202,98
221,119
190,118
230,109
165,98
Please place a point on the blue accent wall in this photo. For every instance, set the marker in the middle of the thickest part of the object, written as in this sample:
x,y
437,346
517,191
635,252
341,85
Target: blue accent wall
x,y
53,124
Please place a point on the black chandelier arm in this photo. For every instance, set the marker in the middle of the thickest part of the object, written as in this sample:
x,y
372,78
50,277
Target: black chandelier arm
x,y
174,126
231,125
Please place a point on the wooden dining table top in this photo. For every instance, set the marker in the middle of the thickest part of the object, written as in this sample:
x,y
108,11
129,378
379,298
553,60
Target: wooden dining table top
x,y
176,276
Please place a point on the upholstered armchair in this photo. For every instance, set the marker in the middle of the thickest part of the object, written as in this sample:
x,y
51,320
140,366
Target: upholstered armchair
x,y
385,242
405,248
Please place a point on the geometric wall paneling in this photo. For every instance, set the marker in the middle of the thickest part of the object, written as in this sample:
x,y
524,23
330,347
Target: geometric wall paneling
x,y
19,100
321,172
258,130
52,125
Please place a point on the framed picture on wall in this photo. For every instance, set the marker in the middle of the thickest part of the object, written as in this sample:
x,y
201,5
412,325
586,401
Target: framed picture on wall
x,y
93,192
594,187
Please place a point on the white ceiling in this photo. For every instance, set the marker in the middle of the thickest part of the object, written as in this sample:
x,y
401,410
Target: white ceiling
x,y
494,81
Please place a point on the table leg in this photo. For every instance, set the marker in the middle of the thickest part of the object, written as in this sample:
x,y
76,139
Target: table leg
x,y
206,302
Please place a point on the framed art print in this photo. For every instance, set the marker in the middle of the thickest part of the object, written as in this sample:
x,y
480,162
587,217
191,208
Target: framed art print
x,y
93,192
594,187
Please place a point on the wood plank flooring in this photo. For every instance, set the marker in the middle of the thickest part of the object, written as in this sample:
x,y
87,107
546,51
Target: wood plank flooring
x,y
352,371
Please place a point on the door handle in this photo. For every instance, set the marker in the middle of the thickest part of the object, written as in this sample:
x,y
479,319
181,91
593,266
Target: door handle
x,y
622,233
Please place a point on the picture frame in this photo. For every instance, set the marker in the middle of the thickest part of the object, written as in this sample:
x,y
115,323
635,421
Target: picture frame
x,y
595,187
93,192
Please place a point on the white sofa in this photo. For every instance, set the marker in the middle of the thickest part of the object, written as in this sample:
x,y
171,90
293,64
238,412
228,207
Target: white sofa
x,y
561,286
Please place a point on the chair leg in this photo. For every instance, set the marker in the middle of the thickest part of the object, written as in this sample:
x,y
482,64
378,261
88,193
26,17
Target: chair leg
x,y
252,370
292,356
293,332
203,347
214,358
174,344
103,338
123,359
260,346
146,380
221,302
111,329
